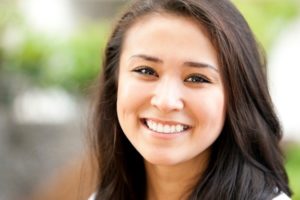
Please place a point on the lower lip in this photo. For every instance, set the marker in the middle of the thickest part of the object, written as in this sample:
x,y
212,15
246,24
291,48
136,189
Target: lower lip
x,y
166,136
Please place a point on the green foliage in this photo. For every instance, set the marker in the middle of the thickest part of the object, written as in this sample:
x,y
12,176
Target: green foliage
x,y
268,17
292,167
71,63
8,14
74,62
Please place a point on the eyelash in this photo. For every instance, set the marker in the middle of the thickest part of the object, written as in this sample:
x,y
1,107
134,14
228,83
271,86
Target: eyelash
x,y
144,70
197,78
194,78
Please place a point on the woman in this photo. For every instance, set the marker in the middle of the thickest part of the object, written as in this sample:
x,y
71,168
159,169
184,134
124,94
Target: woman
x,y
184,110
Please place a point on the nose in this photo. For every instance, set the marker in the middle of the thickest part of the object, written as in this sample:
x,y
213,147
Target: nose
x,y
167,96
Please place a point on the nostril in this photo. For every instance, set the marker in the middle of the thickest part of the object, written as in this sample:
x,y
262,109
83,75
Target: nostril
x,y
167,103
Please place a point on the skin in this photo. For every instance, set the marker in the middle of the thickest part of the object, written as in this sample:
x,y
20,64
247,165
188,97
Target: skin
x,y
169,73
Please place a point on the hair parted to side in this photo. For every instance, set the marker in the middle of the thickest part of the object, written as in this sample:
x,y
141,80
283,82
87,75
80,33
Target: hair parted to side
x,y
246,161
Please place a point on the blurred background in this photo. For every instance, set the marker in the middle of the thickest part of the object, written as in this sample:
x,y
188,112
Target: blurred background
x,y
50,55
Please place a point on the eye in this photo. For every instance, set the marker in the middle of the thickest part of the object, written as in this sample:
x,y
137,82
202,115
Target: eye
x,y
196,78
145,70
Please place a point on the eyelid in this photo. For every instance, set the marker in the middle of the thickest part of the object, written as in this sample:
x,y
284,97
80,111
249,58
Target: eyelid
x,y
203,79
147,71
145,67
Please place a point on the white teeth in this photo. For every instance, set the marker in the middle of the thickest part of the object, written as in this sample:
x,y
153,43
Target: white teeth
x,y
161,128
167,129
179,128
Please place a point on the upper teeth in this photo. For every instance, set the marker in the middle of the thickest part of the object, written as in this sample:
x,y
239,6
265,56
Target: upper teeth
x,y
164,128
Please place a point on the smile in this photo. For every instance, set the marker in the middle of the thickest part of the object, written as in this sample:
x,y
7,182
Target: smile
x,y
165,128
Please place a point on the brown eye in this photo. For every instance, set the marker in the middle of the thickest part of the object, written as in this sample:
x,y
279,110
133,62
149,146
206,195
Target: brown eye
x,y
197,79
144,70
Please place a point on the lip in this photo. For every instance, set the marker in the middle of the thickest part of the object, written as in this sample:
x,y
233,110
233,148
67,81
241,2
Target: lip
x,y
164,135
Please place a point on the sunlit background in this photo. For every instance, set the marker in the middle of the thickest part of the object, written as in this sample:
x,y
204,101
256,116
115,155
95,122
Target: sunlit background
x,y
50,54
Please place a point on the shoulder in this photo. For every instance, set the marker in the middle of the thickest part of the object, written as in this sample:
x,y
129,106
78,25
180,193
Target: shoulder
x,y
282,196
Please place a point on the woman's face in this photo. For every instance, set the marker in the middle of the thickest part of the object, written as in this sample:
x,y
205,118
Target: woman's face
x,y
171,102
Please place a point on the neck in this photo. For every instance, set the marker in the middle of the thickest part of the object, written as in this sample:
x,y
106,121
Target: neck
x,y
173,182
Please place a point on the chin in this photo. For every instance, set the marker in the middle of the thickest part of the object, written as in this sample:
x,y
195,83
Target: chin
x,y
162,160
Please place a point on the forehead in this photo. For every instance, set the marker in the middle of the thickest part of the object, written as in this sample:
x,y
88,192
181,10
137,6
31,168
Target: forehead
x,y
169,36
153,22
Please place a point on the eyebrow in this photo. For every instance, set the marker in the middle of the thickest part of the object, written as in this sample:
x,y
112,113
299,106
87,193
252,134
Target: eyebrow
x,y
186,63
148,58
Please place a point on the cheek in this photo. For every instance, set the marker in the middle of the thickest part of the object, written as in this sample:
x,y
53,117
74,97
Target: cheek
x,y
209,114
130,93
209,109
124,105
130,98
124,91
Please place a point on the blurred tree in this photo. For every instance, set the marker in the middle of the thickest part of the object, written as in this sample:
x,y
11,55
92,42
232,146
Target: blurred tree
x,y
73,63
8,15
268,17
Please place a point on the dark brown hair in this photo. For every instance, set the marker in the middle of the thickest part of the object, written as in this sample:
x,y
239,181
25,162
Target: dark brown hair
x,y
246,161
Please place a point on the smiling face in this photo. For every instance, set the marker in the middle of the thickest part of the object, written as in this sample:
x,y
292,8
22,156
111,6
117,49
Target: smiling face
x,y
170,101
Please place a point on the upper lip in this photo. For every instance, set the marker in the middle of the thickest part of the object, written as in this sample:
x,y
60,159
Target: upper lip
x,y
167,122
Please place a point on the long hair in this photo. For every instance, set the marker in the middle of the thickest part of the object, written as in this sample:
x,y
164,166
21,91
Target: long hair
x,y
246,161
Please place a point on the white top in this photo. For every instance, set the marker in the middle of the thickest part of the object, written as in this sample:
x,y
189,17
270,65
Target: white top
x,y
281,196
93,196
